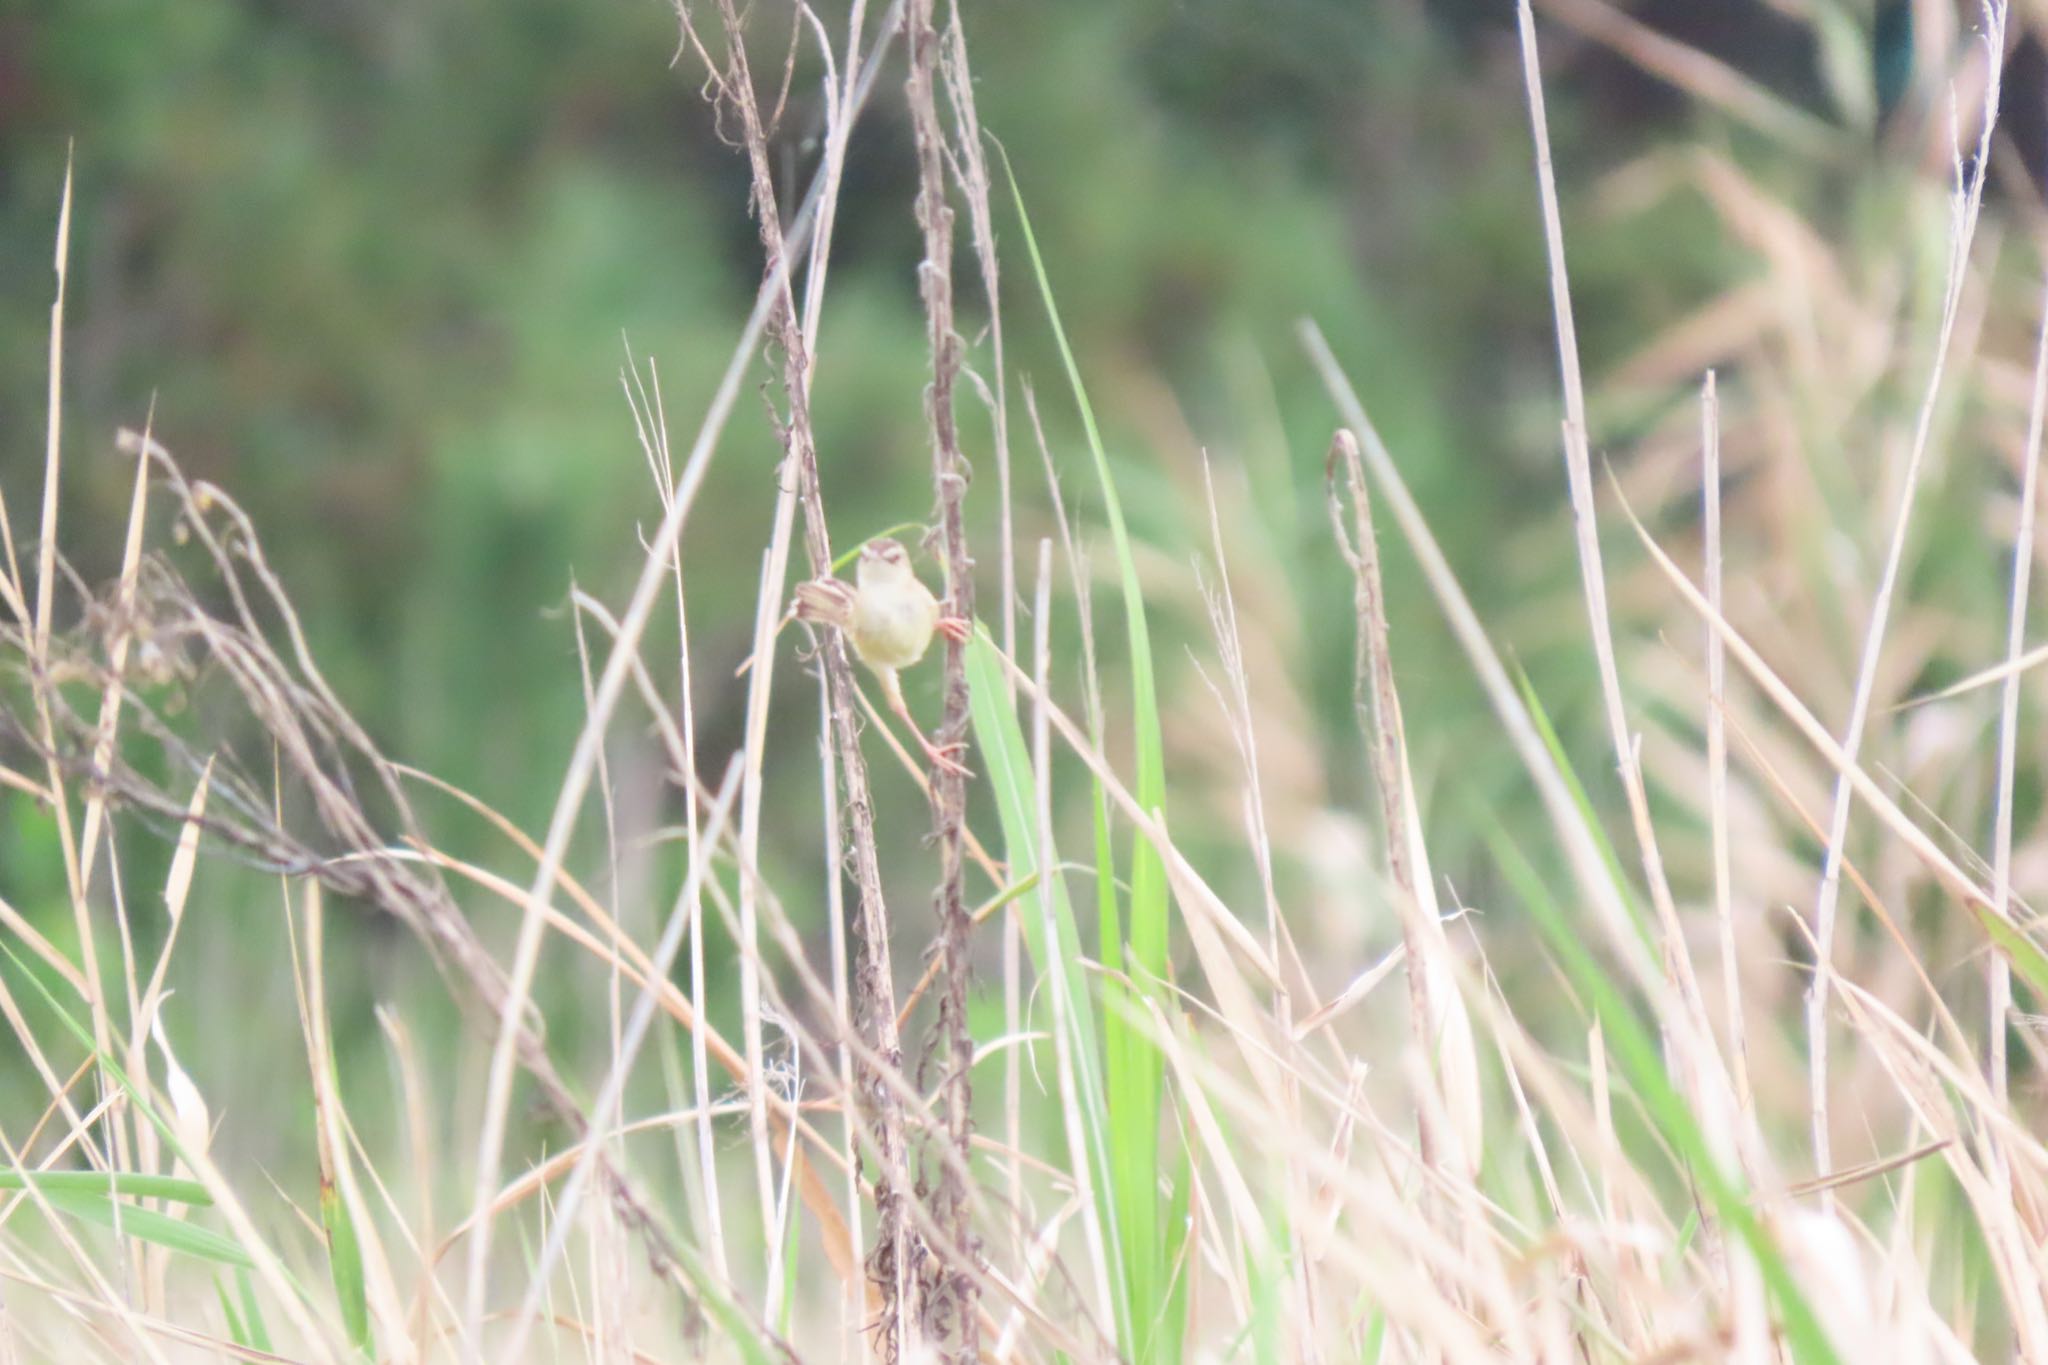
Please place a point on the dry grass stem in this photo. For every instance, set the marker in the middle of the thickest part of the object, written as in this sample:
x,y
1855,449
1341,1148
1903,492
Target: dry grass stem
x,y
946,1291
1965,210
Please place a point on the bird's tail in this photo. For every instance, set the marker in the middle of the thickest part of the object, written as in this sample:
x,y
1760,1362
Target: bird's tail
x,y
825,600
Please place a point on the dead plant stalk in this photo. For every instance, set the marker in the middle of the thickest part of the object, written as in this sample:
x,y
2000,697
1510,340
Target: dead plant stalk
x,y
946,1293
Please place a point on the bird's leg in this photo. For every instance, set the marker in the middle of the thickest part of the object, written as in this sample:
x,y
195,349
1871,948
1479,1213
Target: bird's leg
x,y
939,755
955,628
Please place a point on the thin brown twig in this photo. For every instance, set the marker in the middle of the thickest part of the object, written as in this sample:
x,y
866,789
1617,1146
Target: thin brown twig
x,y
969,162
946,1292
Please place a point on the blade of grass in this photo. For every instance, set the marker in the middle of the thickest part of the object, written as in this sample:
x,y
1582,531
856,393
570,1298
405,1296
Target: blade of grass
x,y
1051,936
1545,730
150,1226
1134,1063
172,1189
252,1311
345,1265
237,1331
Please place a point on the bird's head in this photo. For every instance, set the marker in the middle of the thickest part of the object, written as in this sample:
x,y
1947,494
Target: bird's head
x,y
884,561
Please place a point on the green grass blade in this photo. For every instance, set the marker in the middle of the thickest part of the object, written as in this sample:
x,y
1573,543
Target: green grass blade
x,y
237,1332
2025,955
1134,1063
1584,804
345,1265
149,1226
344,1246
999,740
1375,1339
171,1189
252,1311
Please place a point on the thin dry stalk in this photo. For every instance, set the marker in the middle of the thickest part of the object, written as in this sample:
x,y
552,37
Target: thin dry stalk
x,y
1236,704
1695,1056
1717,744
607,1245
1013,1086
110,705
38,651
650,423
853,1299
766,609
733,87
1379,717
1237,708
330,1119
1998,970
946,1292
1969,200
145,1138
53,449
969,162
838,128
606,1250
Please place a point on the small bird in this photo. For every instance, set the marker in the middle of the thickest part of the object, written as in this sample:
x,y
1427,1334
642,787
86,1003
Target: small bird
x,y
889,617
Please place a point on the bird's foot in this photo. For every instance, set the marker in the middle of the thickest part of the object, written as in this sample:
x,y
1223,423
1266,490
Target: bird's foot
x,y
955,628
941,755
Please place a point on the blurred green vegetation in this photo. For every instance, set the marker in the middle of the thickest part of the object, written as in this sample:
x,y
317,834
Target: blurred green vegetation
x,y
377,270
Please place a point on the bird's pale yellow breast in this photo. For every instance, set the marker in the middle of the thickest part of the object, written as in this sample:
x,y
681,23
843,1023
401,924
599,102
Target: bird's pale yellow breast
x,y
893,620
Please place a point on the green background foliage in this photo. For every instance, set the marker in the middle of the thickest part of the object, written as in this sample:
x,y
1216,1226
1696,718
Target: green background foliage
x,y
377,270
